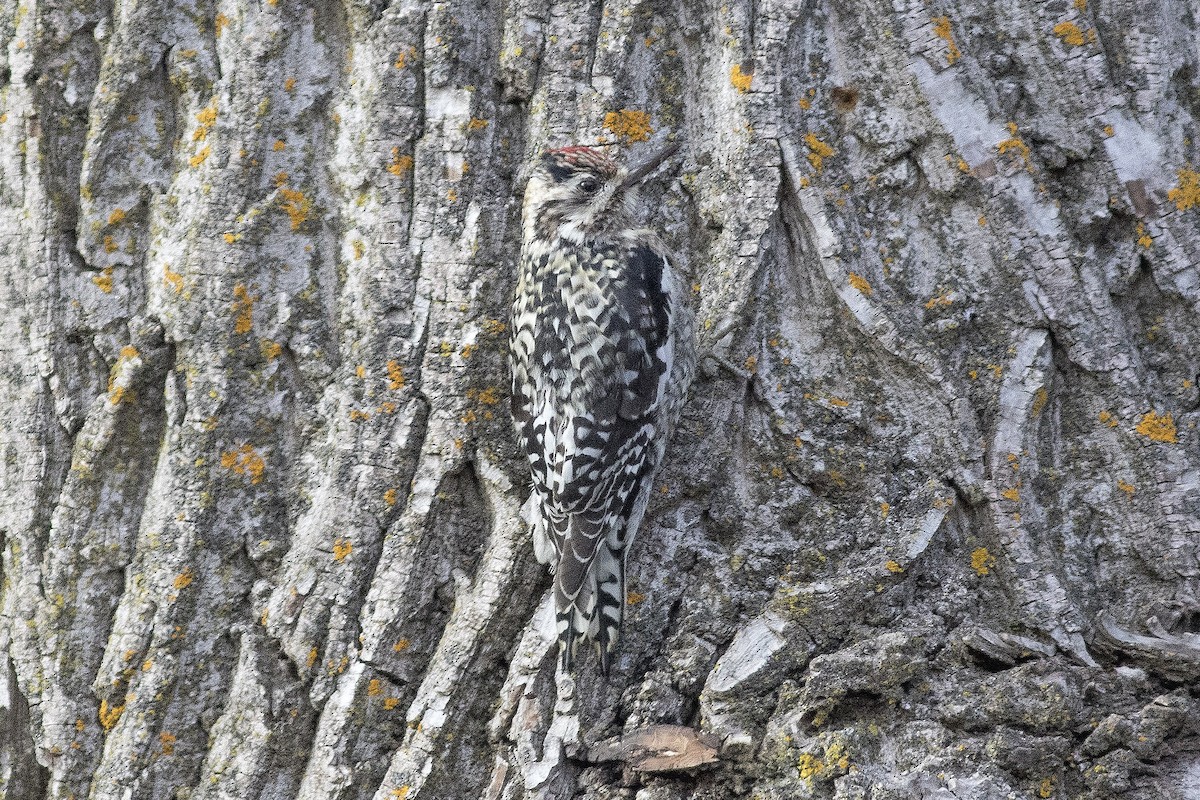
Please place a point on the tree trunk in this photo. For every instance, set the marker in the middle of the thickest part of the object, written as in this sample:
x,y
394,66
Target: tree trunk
x,y
930,526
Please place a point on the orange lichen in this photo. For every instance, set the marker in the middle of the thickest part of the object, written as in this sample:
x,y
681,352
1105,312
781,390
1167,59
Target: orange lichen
x,y
207,116
1108,419
296,205
399,794
104,280
198,159
395,375
1013,494
110,244
982,561
374,687
341,549
172,279
358,415
219,23
839,402
740,80
167,741
632,598
1109,130
184,579
312,658
359,248
818,151
946,298
1144,238
243,309
1069,33
390,702
401,645
1014,143
859,283
1127,488
386,407
1187,194
245,460
941,29
1158,427
270,350
884,508
1040,398
116,216
488,396
400,163
629,125
389,497
110,714
1046,788
289,85
477,124
893,567
279,145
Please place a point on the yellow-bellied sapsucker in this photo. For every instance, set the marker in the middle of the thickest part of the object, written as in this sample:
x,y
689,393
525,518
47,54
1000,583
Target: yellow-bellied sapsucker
x,y
602,352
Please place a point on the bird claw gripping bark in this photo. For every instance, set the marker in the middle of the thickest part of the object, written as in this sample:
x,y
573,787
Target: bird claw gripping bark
x,y
602,352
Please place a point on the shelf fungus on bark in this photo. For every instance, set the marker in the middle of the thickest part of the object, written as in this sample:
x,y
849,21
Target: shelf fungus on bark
x,y
659,748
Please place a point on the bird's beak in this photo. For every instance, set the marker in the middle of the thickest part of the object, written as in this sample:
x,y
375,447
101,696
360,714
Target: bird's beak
x,y
642,170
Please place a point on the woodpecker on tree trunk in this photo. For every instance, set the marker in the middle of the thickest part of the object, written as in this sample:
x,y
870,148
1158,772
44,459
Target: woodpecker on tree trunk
x,y
602,351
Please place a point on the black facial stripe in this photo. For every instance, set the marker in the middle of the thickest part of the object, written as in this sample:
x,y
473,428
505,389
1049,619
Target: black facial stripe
x,y
559,171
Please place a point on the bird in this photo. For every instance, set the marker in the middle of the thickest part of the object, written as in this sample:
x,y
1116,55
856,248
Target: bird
x,y
602,350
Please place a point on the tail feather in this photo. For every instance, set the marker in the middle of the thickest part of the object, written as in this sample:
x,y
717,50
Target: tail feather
x,y
589,588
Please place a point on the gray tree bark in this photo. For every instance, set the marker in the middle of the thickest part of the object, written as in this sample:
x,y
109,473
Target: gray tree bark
x,y
930,526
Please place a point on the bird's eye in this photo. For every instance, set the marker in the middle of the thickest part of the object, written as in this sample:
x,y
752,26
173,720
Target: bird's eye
x,y
589,186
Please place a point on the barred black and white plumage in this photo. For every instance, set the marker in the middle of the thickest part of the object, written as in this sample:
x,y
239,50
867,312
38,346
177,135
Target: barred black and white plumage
x,y
602,352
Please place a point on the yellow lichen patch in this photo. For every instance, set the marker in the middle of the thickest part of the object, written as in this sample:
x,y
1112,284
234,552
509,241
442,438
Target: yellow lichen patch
x,y
1014,144
110,244
1127,488
359,248
1109,130
1108,419
395,375
477,124
116,216
941,29
404,56
1159,427
374,687
982,561
279,145
207,116
629,125
1040,398
358,415
172,279
167,742
389,497
751,364
400,163
1069,33
860,283
231,238
632,598
110,714
1046,787
884,510
198,159
740,80
894,567
1081,5
220,22
341,549
243,309
1187,194
289,85
1013,494
312,658
1144,238
390,702
839,402
296,205
818,151
184,579
386,407
361,371
805,103
270,350
810,765
400,793
401,645
946,298
488,396
104,280
246,461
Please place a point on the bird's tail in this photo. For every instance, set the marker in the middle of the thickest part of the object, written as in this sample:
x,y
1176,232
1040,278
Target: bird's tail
x,y
589,590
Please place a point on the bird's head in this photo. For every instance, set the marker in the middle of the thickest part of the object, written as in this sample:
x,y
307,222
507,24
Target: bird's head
x,y
578,193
